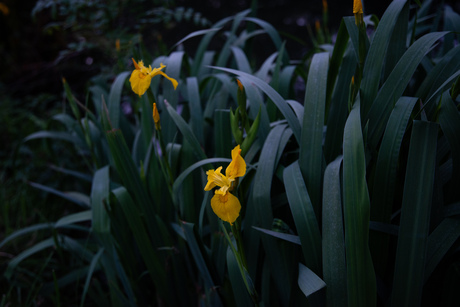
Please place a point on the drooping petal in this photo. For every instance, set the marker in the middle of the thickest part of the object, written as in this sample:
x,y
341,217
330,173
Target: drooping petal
x,y
227,207
236,168
158,71
173,81
140,82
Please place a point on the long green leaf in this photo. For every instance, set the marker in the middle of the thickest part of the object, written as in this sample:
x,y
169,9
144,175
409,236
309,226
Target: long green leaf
x,y
304,216
449,118
195,34
263,208
280,235
376,55
386,177
337,57
274,96
311,143
83,216
334,264
338,110
115,98
200,257
439,243
308,281
73,197
149,255
92,268
99,193
26,230
415,216
27,253
398,40
186,132
361,283
240,293
444,69
56,135
242,61
196,111
394,86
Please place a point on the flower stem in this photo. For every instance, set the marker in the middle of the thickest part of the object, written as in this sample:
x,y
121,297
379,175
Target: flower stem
x,y
241,265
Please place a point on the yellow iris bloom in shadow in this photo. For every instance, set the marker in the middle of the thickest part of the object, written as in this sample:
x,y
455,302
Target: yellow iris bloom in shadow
x,y
224,204
141,77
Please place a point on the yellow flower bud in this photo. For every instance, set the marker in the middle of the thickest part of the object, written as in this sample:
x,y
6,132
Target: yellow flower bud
x,y
156,116
357,7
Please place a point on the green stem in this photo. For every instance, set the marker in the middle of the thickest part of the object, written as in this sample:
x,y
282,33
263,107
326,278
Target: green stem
x,y
240,264
239,243
165,158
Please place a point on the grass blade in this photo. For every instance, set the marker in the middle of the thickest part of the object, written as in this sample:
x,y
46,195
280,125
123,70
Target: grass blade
x,y
99,193
376,55
334,264
196,111
186,132
240,293
311,143
338,110
91,270
360,272
386,177
394,86
415,216
439,243
308,281
74,218
449,118
304,216
146,249
26,230
115,98
281,104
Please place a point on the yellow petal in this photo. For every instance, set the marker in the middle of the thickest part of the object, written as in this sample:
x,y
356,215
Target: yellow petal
x,y
157,71
135,64
227,207
216,178
173,81
357,7
237,167
140,82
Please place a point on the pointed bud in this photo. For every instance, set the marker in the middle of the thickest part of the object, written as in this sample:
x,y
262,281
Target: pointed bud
x,y
358,11
156,116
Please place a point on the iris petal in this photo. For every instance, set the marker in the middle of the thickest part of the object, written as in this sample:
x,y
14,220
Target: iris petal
x,y
227,207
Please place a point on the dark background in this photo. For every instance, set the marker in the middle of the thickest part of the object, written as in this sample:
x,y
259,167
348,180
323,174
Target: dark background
x,y
29,47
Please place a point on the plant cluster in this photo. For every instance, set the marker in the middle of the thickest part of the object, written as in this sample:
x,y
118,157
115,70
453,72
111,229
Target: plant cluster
x,y
348,198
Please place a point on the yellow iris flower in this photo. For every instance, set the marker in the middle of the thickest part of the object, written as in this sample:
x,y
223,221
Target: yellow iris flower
x,y
224,204
142,76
